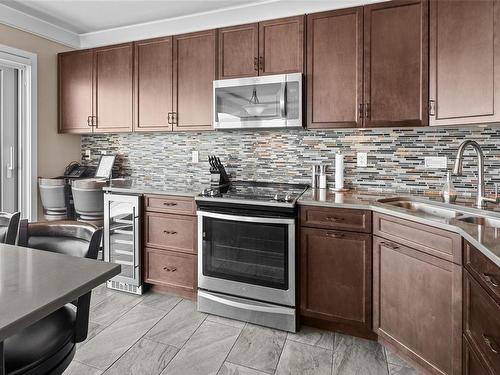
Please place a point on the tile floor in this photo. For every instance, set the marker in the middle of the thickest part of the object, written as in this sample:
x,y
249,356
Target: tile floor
x,y
164,334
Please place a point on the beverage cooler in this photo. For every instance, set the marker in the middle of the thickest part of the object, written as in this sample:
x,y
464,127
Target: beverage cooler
x,y
122,240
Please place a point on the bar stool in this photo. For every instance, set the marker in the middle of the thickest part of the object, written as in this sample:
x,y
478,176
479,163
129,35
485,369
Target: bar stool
x,y
9,224
48,346
88,198
53,197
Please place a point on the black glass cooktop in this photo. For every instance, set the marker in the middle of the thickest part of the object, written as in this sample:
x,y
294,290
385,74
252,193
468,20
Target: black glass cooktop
x,y
257,191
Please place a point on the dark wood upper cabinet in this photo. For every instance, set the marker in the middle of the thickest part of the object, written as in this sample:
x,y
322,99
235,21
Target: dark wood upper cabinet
x,y
114,88
239,51
335,69
396,64
153,85
281,46
335,280
417,308
194,71
75,91
464,56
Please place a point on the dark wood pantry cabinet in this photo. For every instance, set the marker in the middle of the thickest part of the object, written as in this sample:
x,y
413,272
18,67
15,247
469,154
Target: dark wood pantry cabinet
x,y
396,64
269,47
195,68
464,62
114,69
76,91
96,90
239,51
335,69
368,66
153,85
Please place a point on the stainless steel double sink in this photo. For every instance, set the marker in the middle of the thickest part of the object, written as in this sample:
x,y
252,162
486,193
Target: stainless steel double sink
x,y
444,211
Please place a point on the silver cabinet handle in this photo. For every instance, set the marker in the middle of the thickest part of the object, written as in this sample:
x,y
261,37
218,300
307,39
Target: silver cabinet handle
x,y
169,269
390,245
169,232
490,343
491,280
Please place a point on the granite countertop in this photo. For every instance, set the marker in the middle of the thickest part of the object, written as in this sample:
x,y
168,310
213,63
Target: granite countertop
x,y
35,283
188,188
485,239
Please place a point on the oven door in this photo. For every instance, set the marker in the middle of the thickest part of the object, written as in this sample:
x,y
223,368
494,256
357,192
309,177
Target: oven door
x,y
249,257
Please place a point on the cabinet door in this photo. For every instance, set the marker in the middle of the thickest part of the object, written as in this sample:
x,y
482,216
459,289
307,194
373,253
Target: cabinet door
x,y
239,51
153,84
75,91
194,71
335,279
114,88
281,46
417,305
396,64
464,55
334,68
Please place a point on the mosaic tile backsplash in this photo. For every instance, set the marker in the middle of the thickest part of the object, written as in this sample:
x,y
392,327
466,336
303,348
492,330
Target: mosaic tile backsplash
x,y
395,156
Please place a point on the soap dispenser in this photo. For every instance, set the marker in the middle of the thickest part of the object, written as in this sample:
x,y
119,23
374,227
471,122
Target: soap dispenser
x,y
449,193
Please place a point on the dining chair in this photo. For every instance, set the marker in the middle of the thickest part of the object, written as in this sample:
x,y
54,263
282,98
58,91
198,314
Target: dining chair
x,y
48,346
9,224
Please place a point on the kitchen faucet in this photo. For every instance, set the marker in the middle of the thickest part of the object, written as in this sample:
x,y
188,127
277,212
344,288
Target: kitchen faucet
x,y
457,170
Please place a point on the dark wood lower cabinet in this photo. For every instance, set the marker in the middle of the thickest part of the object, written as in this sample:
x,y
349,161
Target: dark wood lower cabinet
x,y
472,363
335,286
417,306
482,325
170,246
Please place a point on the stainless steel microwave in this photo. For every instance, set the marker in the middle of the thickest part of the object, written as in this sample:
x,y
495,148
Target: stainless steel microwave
x,y
258,102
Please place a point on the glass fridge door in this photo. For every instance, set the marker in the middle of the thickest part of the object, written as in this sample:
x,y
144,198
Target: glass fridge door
x,y
121,242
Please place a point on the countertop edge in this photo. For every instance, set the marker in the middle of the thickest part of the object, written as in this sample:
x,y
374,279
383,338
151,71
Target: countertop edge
x,y
408,216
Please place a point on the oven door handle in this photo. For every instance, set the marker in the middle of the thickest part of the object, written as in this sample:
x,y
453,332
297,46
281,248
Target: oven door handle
x,y
247,219
247,306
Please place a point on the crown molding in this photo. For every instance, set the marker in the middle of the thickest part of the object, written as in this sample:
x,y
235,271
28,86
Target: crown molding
x,y
237,15
229,16
22,21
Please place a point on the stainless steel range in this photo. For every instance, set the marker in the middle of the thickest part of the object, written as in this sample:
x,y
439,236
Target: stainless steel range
x,y
246,252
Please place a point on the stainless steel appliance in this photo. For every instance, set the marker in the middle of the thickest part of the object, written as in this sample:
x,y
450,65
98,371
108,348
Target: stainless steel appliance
x,y
258,102
122,229
246,252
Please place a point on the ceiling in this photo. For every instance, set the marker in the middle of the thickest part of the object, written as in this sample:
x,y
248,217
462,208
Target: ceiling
x,y
85,16
92,23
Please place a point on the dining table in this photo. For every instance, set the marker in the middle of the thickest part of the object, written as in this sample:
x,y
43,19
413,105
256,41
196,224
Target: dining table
x,y
35,283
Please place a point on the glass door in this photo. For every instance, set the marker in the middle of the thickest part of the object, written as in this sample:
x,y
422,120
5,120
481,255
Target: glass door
x,y
246,250
121,239
9,114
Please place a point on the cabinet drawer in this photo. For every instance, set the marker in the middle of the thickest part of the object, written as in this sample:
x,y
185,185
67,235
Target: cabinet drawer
x,y
171,232
336,218
170,204
482,322
472,362
440,243
484,270
169,268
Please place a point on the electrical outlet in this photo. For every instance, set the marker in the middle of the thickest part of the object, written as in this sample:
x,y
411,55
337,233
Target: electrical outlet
x,y
195,156
436,162
362,159
88,154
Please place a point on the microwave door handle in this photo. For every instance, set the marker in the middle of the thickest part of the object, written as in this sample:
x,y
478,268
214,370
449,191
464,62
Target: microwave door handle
x,y
283,100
